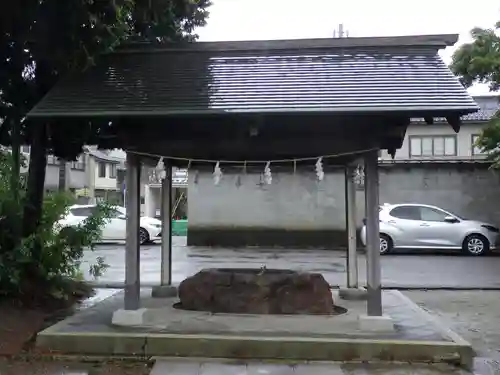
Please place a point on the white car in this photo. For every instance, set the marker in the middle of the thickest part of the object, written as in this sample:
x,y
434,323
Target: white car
x,y
115,228
421,226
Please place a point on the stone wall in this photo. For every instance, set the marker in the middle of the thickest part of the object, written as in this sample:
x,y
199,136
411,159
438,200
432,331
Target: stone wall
x,y
298,211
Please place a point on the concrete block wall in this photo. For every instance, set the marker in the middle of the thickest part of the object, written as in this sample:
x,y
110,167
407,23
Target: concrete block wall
x,y
296,210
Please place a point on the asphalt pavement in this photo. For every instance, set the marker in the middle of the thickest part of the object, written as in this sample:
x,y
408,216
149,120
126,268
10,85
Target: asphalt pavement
x,y
404,271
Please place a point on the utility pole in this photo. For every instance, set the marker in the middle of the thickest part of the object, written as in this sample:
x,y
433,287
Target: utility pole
x,y
340,32
63,175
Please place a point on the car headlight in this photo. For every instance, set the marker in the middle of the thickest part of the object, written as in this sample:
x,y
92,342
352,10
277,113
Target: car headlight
x,y
491,228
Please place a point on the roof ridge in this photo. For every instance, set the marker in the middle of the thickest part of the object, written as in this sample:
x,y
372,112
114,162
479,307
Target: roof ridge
x,y
436,41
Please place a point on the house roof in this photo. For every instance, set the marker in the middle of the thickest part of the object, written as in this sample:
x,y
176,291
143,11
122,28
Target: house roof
x,y
489,105
343,75
103,155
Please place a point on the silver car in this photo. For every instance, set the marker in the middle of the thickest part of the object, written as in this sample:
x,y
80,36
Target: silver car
x,y
420,226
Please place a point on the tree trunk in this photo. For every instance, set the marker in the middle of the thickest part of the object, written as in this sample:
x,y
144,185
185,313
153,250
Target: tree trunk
x,y
16,160
36,180
15,176
38,157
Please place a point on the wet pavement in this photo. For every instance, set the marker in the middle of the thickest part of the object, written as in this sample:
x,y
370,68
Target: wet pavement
x,y
163,318
398,271
40,367
210,368
163,367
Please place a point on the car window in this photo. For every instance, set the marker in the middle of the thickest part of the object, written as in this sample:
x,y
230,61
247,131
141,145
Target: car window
x,y
114,214
406,212
81,211
432,214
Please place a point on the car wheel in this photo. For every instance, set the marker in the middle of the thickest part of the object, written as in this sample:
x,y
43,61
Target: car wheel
x,y
385,244
143,236
476,244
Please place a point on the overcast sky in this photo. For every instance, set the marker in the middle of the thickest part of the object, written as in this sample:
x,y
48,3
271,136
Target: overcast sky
x,y
290,19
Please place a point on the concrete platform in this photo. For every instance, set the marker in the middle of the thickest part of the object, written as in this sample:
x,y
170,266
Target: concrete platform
x,y
175,333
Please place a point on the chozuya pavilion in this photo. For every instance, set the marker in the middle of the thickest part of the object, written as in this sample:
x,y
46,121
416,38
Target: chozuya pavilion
x,y
236,104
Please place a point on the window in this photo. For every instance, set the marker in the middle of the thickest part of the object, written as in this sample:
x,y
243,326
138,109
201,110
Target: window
x,y
406,212
475,149
82,211
425,146
52,160
431,214
112,171
25,149
101,169
114,214
418,213
79,163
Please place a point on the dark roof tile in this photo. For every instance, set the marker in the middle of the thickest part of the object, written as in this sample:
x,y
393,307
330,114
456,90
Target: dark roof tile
x,y
328,76
102,155
488,107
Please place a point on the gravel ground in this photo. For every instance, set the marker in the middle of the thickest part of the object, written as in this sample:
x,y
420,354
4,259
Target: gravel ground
x,y
475,315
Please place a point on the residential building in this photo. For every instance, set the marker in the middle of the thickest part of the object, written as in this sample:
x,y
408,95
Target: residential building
x,y
438,142
93,176
76,171
102,174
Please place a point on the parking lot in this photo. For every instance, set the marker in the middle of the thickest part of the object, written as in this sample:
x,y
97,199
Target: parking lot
x,y
400,271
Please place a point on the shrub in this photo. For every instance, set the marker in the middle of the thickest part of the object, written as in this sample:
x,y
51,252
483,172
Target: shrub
x,y
45,265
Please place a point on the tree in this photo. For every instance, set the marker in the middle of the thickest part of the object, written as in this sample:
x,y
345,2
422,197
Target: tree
x,y
479,62
58,272
41,40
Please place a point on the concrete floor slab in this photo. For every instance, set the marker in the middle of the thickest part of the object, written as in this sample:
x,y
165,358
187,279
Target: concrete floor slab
x,y
171,332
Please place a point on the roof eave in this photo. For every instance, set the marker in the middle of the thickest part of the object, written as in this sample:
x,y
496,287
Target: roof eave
x,y
411,111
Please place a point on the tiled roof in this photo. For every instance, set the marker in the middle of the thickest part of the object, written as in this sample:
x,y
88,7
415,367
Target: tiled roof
x,y
398,74
103,155
489,106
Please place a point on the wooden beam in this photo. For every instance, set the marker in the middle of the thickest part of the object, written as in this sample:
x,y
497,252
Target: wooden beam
x,y
226,149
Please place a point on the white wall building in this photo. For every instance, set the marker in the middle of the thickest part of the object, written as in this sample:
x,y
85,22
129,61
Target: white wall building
x,y
152,193
102,174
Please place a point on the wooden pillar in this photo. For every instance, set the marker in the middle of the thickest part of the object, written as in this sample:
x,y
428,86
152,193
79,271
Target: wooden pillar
x,y
350,206
166,232
374,306
132,248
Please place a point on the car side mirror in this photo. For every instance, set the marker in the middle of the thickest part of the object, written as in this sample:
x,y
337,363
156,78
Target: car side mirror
x,y
451,219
